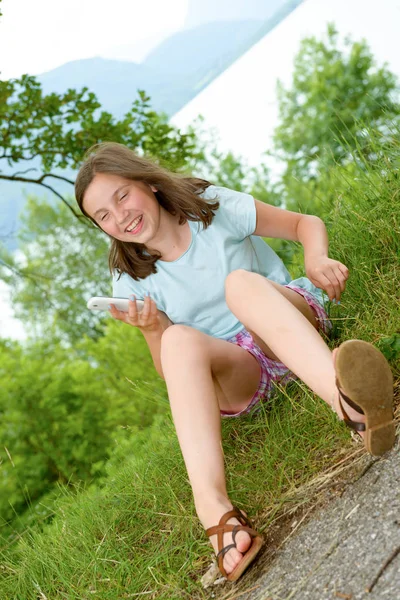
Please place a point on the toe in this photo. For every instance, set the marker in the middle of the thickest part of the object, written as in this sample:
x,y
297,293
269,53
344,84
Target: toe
x,y
243,541
231,560
235,555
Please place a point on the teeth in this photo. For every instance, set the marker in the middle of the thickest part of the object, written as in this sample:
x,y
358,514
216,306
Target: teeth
x,y
135,222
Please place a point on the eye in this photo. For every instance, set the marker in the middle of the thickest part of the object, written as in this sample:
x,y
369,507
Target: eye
x,y
122,197
103,217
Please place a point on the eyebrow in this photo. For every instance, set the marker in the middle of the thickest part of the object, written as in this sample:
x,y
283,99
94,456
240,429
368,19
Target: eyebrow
x,y
113,196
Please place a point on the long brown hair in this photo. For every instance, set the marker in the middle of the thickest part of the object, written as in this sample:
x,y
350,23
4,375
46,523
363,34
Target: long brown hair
x,y
177,194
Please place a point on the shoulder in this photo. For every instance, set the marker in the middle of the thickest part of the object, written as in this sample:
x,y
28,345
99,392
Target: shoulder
x,y
223,194
237,210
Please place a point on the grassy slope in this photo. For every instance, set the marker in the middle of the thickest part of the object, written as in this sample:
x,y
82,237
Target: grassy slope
x,y
138,536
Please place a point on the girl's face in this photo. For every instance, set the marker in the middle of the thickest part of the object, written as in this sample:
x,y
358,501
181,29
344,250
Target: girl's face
x,y
126,210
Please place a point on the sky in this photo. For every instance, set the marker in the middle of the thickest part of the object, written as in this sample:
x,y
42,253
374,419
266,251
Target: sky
x,y
37,36
250,83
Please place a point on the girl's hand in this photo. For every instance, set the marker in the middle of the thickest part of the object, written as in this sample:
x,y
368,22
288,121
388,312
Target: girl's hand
x,y
327,274
149,319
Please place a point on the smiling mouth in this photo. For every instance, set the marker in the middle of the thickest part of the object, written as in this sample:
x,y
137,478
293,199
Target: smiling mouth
x,y
133,224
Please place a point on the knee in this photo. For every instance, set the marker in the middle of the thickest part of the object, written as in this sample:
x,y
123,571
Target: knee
x,y
235,280
235,283
238,285
182,339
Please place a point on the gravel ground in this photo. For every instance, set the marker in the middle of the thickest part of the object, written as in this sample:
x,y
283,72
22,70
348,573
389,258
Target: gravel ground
x,y
341,551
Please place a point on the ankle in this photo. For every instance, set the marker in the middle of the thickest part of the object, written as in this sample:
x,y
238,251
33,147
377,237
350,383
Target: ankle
x,y
336,406
210,509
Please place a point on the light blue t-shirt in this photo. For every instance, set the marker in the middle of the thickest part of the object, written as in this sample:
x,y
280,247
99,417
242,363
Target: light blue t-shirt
x,y
190,289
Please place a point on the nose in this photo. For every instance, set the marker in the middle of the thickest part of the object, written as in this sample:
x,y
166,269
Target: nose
x,y
121,215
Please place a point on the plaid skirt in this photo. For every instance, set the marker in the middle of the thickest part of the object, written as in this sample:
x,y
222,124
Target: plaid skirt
x,y
273,371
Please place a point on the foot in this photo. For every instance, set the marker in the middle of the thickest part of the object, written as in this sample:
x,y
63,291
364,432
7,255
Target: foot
x,y
352,414
242,538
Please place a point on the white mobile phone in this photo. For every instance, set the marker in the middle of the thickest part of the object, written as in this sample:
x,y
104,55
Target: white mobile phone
x,y
102,302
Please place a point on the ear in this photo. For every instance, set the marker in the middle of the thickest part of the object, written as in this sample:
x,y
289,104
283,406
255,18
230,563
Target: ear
x,y
153,189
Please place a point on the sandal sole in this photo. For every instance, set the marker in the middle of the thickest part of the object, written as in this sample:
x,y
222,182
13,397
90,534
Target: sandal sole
x,y
246,560
365,377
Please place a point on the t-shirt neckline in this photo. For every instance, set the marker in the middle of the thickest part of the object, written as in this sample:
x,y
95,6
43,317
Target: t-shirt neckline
x,y
171,262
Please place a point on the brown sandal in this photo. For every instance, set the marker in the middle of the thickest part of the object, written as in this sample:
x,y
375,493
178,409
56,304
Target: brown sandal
x,y
222,528
365,374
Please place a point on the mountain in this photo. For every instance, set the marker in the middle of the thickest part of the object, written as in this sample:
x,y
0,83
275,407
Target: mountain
x,y
172,74
138,50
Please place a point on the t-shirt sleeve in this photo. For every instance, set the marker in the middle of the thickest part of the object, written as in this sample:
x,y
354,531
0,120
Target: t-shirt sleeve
x,y
237,209
125,286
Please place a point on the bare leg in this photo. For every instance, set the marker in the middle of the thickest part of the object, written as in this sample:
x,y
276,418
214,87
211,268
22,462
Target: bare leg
x,y
190,362
198,368
263,308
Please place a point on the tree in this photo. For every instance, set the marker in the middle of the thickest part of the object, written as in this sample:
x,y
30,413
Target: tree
x,y
57,129
60,264
63,410
334,93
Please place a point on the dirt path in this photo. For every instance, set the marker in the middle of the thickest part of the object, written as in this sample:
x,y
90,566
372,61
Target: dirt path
x,y
348,547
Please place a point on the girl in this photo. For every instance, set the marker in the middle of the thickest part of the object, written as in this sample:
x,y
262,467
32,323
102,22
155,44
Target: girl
x,y
222,319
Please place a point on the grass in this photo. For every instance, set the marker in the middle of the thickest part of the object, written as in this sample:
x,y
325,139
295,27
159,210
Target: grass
x,y
137,535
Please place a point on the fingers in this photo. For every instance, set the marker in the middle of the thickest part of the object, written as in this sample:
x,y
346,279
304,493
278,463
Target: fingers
x,y
132,317
337,284
341,280
149,314
129,317
331,285
145,318
344,271
340,274
332,278
116,314
145,313
153,309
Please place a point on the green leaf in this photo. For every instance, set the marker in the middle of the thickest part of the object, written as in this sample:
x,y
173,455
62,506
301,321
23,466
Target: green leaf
x,y
390,346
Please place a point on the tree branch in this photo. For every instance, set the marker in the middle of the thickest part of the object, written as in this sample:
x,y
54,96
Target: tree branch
x,y
34,279
21,274
24,172
57,177
40,182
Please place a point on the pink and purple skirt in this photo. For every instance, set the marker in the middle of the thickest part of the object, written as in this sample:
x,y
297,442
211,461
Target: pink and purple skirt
x,y
273,371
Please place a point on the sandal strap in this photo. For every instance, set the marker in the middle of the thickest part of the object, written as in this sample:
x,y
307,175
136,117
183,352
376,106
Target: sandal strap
x,y
224,550
217,528
352,424
234,513
230,528
223,527
348,400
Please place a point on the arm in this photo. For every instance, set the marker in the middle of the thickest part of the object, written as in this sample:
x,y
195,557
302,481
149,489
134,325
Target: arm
x,y
310,231
153,340
150,321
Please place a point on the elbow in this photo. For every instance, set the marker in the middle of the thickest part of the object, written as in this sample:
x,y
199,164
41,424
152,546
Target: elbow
x,y
306,224
311,219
